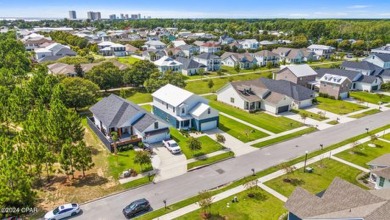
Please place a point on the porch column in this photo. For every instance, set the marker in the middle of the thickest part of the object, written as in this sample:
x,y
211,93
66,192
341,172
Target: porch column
x,y
119,132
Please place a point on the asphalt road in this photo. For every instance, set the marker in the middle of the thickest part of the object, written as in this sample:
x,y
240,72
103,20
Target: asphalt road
x,y
189,184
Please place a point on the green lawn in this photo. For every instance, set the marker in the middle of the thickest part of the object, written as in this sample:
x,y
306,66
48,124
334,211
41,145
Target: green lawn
x,y
284,137
311,115
139,97
147,107
208,144
262,206
210,160
201,86
260,119
138,182
338,106
323,174
370,97
334,122
363,114
238,130
386,136
363,153
231,70
124,161
128,60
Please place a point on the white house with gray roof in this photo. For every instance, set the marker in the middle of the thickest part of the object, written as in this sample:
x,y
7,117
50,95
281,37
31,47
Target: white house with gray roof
x,y
379,59
380,171
166,63
275,96
132,123
190,66
183,109
211,61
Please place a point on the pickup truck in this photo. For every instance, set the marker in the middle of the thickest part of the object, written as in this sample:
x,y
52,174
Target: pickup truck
x,y
172,146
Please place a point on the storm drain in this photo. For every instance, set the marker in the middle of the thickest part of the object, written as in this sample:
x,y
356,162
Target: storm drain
x,y
220,171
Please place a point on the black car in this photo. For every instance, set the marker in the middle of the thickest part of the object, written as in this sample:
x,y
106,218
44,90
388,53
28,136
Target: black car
x,y
136,207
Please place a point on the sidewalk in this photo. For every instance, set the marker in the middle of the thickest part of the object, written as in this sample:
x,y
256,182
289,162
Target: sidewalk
x,y
263,179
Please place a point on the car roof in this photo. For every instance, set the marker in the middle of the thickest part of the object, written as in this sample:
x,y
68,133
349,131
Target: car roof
x,y
66,206
143,200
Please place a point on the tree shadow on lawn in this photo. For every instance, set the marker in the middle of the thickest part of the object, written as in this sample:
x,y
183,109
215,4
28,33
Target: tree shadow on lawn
x,y
294,181
92,179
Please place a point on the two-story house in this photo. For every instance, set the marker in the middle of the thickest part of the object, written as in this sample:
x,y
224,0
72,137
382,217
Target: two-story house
x,y
244,60
211,61
107,48
166,63
225,39
189,50
335,86
265,56
379,59
367,69
292,55
190,66
251,44
210,47
298,74
154,44
183,109
53,52
322,51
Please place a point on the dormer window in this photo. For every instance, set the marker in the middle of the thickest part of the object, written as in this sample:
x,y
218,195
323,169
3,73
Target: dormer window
x,y
208,110
183,110
156,125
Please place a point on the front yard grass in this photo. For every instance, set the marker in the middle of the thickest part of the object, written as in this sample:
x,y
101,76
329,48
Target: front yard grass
x,y
284,137
123,161
238,130
148,107
128,60
386,136
261,119
363,114
334,122
208,144
362,154
262,206
370,97
338,106
323,174
311,115
139,97
210,160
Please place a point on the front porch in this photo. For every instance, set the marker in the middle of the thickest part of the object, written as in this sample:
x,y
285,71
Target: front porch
x,y
252,106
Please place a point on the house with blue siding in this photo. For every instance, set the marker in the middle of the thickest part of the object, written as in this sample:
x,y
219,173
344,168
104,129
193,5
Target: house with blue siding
x,y
183,109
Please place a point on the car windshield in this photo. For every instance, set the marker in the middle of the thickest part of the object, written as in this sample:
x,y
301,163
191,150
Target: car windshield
x,y
173,145
132,205
56,210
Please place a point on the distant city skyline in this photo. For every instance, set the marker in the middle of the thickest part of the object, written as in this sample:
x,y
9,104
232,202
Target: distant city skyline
x,y
199,8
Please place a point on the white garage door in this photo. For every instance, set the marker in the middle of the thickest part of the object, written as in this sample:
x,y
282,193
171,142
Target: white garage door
x,y
208,125
156,138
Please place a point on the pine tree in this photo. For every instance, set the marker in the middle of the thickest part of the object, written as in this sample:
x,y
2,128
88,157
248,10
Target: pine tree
x,y
83,159
67,158
78,70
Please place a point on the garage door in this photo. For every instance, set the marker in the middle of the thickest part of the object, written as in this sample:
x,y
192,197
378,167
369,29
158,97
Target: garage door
x,y
374,87
156,138
208,125
283,109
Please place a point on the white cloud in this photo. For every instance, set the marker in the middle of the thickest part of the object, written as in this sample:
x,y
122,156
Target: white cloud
x,y
359,6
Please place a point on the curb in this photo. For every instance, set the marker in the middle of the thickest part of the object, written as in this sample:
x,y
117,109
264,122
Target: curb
x,y
206,165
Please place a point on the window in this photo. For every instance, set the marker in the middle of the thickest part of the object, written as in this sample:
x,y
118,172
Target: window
x,y
173,109
232,100
156,125
183,110
381,181
167,106
208,111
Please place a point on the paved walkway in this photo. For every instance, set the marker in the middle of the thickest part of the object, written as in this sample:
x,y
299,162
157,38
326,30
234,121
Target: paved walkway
x,y
246,123
266,178
215,153
350,164
382,139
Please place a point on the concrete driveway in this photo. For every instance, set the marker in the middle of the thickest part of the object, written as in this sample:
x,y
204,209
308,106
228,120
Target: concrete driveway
x,y
167,164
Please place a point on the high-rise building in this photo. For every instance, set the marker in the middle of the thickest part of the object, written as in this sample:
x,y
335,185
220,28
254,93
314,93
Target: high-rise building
x,y
72,15
126,16
139,16
122,16
134,16
93,16
112,17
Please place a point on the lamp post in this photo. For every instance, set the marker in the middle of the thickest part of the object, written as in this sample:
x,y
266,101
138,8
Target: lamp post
x,y
253,172
367,130
304,166
165,203
322,146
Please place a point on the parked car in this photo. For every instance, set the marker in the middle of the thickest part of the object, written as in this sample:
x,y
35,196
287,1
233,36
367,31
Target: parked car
x,y
63,211
172,146
136,207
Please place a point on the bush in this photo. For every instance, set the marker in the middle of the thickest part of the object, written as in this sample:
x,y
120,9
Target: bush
x,y
125,147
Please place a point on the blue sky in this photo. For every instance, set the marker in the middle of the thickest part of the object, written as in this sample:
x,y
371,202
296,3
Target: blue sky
x,y
200,8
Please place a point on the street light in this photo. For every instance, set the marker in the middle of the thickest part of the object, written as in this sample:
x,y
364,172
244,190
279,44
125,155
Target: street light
x,y
165,203
322,146
367,130
253,172
304,166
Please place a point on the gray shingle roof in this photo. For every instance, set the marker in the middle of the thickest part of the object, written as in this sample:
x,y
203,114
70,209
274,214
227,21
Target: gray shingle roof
x,y
382,172
290,89
207,56
189,63
383,56
351,75
383,160
114,111
364,65
341,199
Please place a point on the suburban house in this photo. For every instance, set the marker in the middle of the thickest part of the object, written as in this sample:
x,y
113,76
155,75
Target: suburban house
x,y
210,47
53,52
383,49
335,86
368,69
68,70
379,59
34,41
153,54
175,52
183,109
292,55
275,96
322,51
380,171
298,74
244,60
130,49
166,63
251,44
341,201
107,48
190,66
359,81
154,44
265,43
177,43
225,39
265,56
189,50
211,61
131,122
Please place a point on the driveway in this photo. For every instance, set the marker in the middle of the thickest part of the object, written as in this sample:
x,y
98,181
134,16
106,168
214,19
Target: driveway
x,y
167,164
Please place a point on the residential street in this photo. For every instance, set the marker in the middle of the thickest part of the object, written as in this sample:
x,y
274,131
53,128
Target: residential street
x,y
189,184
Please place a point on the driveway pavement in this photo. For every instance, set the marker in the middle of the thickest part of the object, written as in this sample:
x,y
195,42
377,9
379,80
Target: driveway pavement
x,y
169,165
189,184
